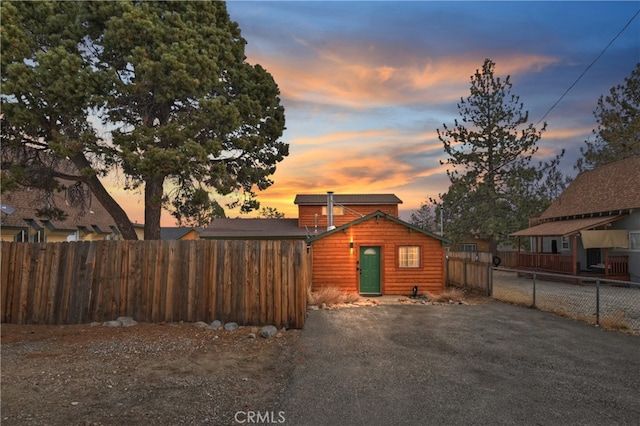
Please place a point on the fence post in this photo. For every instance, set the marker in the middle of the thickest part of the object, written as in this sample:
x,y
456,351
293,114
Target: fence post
x,y
446,271
534,290
464,272
597,302
489,280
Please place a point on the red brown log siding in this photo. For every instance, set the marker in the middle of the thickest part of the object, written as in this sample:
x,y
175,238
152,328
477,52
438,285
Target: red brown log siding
x,y
307,214
335,263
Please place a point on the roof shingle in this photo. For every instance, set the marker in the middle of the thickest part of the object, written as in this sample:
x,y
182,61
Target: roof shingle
x,y
610,188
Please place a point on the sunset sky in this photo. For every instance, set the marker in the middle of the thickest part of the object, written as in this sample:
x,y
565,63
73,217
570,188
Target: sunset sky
x,y
365,85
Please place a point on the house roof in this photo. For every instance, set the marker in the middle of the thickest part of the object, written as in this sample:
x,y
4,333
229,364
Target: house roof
x,y
565,228
93,218
606,189
347,199
253,229
175,233
374,215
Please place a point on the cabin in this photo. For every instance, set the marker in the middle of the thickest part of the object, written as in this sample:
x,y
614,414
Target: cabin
x,y
592,228
357,243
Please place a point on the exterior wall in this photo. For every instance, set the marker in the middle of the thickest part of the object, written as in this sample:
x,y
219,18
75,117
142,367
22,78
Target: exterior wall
x,y
335,263
481,245
631,223
191,235
307,214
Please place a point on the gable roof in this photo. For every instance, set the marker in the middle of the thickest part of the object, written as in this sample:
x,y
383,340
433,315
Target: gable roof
x,y
347,199
175,233
93,218
606,189
374,215
253,229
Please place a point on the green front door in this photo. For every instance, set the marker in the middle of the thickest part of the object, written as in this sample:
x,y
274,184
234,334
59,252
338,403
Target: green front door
x,y
370,270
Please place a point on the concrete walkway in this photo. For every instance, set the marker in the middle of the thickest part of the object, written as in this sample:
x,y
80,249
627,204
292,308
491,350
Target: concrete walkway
x,y
460,365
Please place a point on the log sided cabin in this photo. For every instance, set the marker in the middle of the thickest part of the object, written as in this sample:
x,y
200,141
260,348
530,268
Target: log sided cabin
x,y
592,228
357,243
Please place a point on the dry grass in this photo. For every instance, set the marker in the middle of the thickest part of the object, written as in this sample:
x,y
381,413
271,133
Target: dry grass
x,y
616,321
331,296
449,294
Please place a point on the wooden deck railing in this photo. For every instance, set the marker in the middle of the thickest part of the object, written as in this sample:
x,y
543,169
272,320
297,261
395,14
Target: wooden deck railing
x,y
562,263
547,262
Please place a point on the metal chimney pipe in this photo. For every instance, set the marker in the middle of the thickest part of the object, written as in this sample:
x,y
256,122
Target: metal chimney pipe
x,y
330,211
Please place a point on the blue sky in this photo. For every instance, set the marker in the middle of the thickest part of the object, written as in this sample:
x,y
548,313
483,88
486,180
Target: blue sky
x,y
366,84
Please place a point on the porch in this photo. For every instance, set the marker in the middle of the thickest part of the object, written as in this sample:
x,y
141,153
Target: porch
x,y
613,267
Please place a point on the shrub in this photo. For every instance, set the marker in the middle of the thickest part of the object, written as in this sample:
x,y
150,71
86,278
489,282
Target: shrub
x,y
331,296
449,294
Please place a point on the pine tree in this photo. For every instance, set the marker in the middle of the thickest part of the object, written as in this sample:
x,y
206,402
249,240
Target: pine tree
x,y
187,115
618,134
494,186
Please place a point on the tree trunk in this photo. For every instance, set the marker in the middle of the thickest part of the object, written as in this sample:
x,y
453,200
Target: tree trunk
x,y
99,191
153,191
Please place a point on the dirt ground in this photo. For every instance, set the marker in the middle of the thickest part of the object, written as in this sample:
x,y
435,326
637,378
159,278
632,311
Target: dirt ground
x,y
144,374
160,374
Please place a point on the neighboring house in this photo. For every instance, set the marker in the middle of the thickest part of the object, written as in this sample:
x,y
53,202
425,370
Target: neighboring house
x,y
472,245
357,243
593,227
19,220
180,233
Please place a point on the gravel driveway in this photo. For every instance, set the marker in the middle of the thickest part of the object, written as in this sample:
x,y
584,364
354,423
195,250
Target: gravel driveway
x,y
483,364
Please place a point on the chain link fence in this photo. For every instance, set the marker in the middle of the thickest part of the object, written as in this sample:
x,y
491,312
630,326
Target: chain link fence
x,y
608,303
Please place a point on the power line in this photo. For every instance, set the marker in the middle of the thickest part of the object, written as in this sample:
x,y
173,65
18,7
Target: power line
x,y
588,67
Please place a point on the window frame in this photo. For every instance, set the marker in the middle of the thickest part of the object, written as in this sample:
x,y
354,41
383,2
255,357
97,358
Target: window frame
x,y
407,257
634,236
337,211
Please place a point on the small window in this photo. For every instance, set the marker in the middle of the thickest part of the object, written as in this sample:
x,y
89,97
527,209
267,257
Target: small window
x,y
469,247
337,210
634,240
409,256
566,243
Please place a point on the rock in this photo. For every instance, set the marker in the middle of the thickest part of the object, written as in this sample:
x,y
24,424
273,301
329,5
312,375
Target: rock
x,y
127,321
200,324
323,306
112,324
216,325
313,307
230,326
251,335
268,331
279,335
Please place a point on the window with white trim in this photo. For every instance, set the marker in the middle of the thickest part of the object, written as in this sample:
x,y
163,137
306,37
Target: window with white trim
x,y
565,243
634,240
409,256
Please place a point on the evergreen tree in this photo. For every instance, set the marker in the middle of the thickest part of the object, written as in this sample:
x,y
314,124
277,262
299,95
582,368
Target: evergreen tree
x,y
188,116
494,186
426,218
618,134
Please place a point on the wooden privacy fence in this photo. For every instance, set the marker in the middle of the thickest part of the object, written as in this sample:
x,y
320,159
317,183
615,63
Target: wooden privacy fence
x,y
508,259
462,272
248,282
